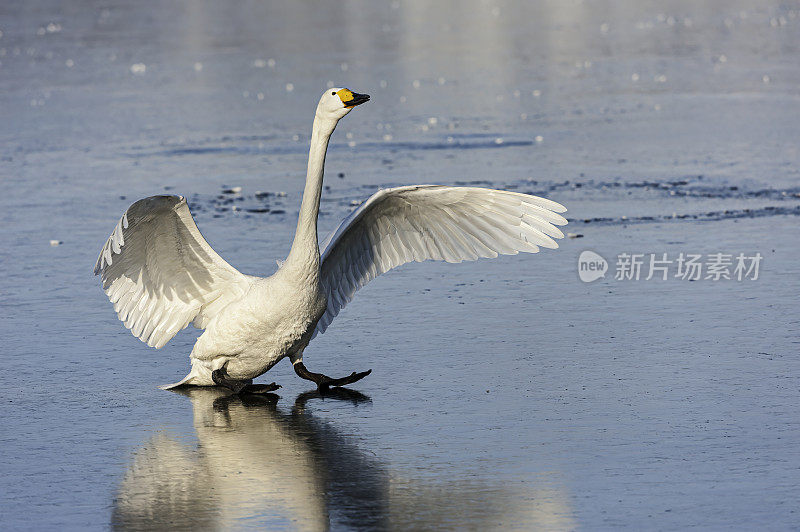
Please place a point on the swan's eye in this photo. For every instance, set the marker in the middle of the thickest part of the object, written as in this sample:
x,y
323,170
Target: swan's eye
x,y
333,93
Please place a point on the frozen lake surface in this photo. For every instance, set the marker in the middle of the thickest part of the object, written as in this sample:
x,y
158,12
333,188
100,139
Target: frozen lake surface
x,y
505,394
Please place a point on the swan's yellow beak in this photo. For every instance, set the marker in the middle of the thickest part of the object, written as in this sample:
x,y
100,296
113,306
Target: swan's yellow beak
x,y
351,99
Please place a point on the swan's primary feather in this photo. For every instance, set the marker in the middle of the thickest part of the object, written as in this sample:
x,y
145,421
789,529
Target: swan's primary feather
x,y
430,222
161,274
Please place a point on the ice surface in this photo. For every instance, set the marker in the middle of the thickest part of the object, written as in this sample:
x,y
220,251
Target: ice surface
x,y
505,393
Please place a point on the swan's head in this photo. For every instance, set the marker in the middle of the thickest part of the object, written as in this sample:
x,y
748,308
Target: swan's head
x,y
335,103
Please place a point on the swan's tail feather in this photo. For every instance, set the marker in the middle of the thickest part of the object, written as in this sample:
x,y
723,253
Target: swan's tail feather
x,y
186,381
199,376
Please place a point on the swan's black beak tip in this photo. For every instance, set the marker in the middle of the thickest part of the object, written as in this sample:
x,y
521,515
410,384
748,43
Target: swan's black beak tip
x,y
358,99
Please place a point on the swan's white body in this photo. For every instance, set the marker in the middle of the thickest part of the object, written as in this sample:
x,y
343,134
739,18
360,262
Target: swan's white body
x,y
161,274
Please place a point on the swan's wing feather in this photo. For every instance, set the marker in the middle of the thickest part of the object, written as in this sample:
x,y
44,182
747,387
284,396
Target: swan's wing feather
x,y
430,222
161,274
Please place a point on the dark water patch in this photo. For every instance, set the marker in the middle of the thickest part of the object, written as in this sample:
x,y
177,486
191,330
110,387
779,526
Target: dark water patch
x,y
451,143
728,214
233,200
479,182
232,150
684,188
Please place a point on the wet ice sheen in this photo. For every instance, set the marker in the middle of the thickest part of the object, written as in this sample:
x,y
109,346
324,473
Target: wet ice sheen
x,y
265,465
504,394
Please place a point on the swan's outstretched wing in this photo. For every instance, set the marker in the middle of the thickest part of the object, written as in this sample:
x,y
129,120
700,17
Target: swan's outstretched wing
x,y
417,223
161,274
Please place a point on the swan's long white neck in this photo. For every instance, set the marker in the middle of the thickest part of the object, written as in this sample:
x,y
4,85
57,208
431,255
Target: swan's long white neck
x,y
304,255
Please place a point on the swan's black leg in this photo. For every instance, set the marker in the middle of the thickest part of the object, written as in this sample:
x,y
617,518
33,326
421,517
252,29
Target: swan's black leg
x,y
220,377
323,382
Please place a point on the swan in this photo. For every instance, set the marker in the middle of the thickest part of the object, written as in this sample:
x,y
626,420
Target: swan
x,y
161,274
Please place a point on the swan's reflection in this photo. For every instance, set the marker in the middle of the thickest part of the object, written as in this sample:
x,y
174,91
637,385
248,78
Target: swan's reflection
x,y
257,466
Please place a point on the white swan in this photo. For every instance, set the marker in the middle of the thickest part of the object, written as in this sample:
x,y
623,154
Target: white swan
x,y
161,274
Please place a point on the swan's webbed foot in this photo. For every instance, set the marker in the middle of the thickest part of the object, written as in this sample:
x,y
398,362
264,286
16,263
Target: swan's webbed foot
x,y
220,378
324,382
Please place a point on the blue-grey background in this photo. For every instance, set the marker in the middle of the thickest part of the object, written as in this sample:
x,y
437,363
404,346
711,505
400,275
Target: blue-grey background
x,y
504,394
